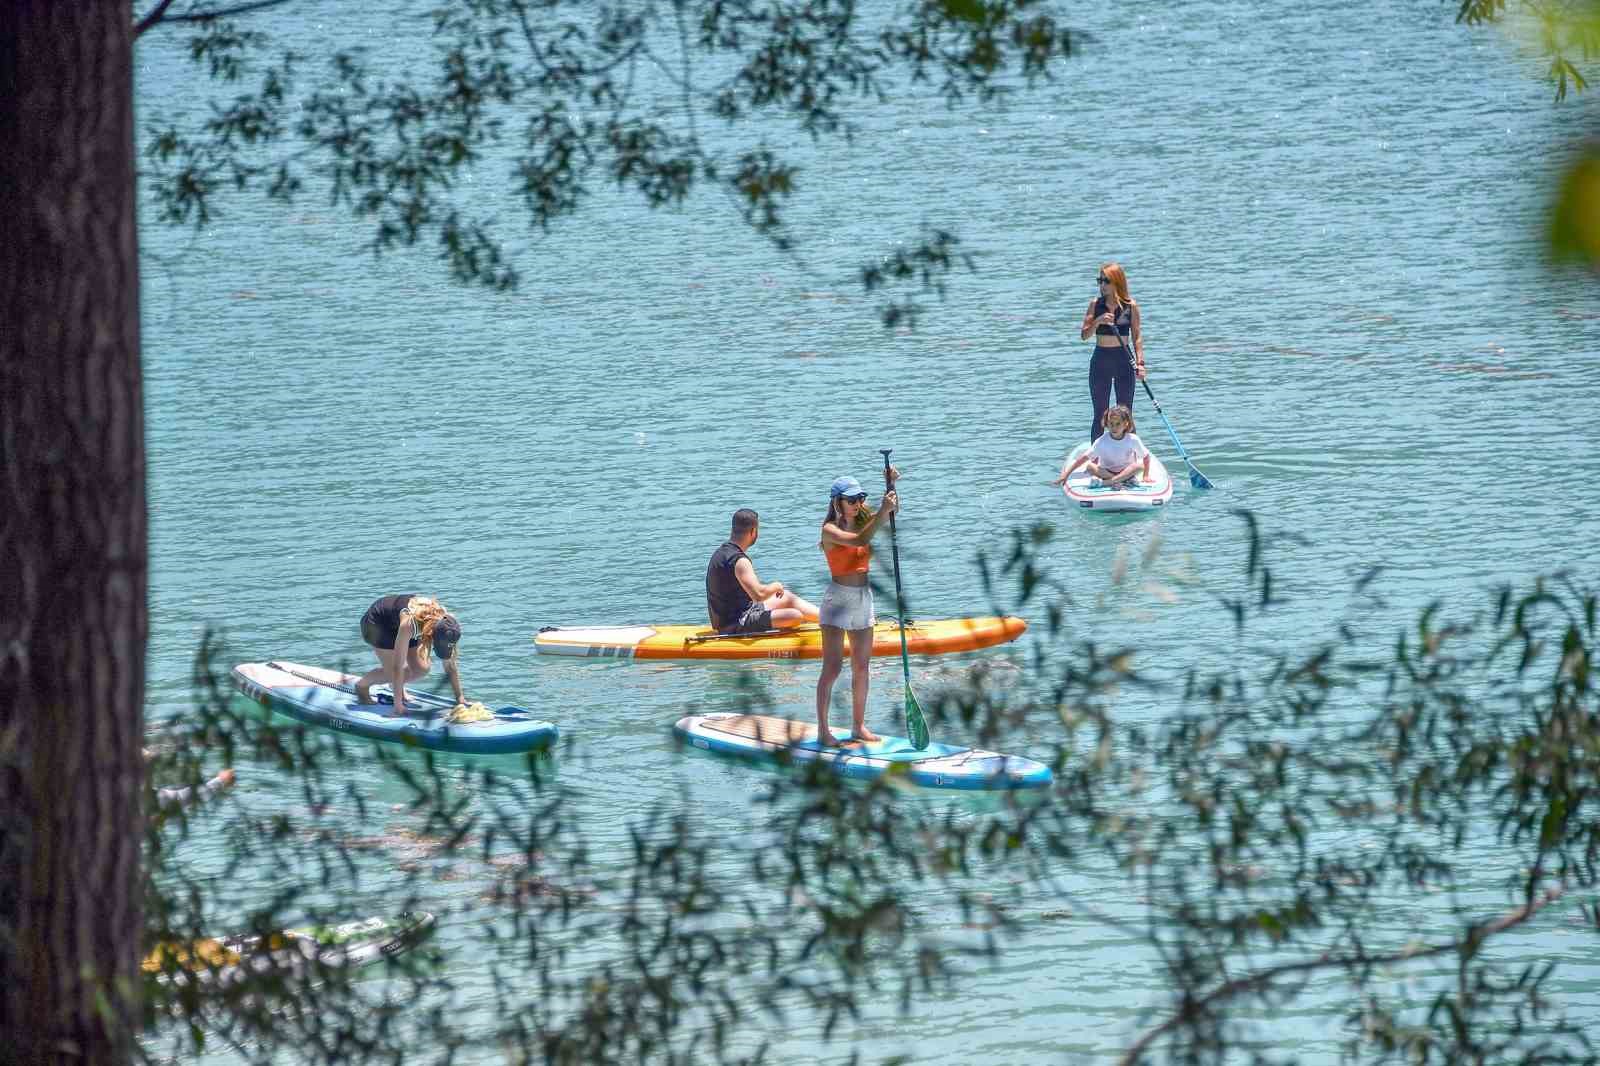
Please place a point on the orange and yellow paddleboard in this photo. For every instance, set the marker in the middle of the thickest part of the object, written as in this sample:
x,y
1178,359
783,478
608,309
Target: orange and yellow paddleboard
x,y
802,642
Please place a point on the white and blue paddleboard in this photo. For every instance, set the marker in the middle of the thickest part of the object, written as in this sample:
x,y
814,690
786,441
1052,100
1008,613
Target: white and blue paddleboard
x,y
762,738
232,960
1082,490
327,698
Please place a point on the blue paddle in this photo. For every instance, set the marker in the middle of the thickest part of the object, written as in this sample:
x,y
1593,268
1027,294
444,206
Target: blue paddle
x,y
916,725
1196,478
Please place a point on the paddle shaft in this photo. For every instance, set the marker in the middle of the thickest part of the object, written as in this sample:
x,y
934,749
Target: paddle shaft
x,y
350,688
894,553
1199,480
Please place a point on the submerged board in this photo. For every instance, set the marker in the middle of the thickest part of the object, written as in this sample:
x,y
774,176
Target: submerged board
x,y
1085,491
762,738
235,958
802,642
328,698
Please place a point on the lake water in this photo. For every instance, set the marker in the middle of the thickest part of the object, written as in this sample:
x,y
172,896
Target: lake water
x,y
1331,219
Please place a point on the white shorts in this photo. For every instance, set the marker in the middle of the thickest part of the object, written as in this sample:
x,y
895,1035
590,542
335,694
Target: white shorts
x,y
847,607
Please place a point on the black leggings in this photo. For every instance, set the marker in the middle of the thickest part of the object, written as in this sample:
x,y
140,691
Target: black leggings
x,y
1108,367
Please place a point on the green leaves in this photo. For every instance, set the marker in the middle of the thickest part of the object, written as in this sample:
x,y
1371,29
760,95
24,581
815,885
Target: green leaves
x,y
1574,232
574,94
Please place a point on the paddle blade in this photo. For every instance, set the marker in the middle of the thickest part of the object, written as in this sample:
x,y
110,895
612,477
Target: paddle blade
x,y
916,725
1199,480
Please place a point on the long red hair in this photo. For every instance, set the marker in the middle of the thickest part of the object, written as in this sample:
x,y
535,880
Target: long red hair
x,y
1119,281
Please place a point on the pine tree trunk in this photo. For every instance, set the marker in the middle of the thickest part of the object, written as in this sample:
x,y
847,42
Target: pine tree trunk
x,y
73,557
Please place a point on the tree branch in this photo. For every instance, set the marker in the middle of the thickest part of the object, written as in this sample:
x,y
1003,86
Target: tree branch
x,y
151,19
1475,936
160,13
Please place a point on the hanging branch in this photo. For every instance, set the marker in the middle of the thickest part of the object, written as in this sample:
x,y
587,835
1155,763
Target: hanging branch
x,y
1476,935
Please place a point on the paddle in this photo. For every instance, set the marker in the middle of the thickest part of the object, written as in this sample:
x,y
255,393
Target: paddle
x,y
1196,478
916,725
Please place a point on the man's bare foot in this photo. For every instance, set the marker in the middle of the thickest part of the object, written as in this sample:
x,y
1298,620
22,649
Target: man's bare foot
x,y
363,693
865,735
825,739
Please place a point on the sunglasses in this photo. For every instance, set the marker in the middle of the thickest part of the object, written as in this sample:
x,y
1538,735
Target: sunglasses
x,y
862,498
1102,280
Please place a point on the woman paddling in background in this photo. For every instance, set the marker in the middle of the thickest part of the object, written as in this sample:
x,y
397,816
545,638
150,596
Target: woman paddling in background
x,y
403,630
847,604
1111,316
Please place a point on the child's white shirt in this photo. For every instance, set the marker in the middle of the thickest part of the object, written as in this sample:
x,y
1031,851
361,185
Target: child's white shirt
x,y
1116,454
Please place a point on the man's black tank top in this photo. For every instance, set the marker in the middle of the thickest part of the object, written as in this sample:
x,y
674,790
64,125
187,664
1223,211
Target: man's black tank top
x,y
726,599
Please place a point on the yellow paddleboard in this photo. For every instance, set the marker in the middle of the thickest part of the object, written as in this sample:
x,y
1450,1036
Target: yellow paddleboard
x,y
802,642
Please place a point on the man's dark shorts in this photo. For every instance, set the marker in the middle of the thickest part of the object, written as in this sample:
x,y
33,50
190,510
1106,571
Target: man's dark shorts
x,y
755,619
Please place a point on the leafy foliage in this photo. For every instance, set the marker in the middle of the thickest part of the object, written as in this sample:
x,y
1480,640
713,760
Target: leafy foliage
x,y
657,98
1302,824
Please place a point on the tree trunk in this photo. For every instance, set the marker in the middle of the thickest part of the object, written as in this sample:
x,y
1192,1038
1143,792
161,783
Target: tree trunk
x,y
73,557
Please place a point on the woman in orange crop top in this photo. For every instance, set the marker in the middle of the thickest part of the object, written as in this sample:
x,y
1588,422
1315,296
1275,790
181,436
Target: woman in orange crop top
x,y
847,604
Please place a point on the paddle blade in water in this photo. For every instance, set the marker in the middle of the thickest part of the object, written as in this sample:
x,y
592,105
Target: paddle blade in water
x,y
916,725
1199,480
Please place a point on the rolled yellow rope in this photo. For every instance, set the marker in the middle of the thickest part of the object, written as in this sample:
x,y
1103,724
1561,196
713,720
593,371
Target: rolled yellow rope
x,y
469,712
195,956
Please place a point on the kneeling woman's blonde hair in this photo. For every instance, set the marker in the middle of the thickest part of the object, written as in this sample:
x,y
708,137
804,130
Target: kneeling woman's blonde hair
x,y
426,614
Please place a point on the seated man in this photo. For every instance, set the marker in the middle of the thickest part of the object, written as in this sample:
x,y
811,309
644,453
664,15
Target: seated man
x,y
736,599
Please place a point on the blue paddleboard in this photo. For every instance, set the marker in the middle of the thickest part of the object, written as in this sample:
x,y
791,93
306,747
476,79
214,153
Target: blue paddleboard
x,y
327,698
938,766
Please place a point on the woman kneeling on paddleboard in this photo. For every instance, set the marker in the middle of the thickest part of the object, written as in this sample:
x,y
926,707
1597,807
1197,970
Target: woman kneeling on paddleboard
x,y
847,605
1114,317
404,630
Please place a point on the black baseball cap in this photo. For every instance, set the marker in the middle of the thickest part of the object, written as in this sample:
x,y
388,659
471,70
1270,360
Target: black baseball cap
x,y
445,635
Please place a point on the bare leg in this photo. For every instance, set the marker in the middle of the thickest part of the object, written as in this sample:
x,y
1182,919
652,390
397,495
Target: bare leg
x,y
832,664
860,677
415,671
789,610
383,672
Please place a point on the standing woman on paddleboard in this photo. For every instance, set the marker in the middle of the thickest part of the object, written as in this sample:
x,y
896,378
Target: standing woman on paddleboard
x,y
404,630
1111,317
847,532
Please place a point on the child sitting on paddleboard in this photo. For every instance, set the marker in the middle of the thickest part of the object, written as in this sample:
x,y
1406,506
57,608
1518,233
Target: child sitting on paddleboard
x,y
1117,455
403,630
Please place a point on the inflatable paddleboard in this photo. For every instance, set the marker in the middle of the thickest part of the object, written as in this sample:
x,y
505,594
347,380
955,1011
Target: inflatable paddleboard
x,y
761,738
1085,491
328,698
802,642
232,959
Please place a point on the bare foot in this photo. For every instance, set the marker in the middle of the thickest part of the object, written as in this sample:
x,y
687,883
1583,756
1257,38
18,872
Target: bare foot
x,y
826,739
363,693
865,735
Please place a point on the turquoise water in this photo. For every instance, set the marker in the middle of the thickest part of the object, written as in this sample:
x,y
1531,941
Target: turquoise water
x,y
1331,219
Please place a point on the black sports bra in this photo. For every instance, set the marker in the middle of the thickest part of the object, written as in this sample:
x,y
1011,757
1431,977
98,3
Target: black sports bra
x,y
1124,318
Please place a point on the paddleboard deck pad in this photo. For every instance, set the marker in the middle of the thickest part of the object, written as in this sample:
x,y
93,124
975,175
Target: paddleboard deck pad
x,y
327,698
802,642
349,945
762,738
1086,491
